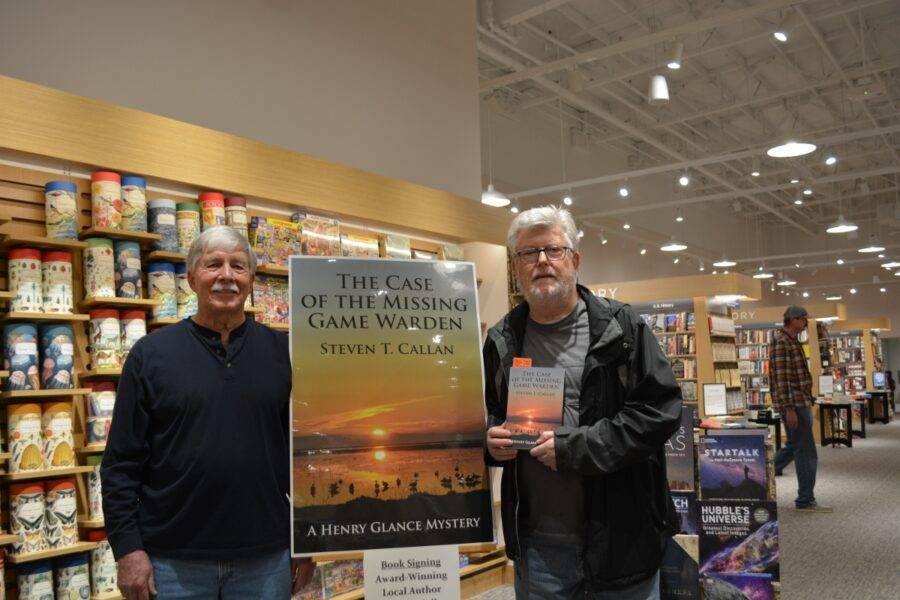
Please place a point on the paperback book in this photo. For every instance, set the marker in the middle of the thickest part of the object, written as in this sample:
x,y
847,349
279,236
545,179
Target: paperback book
x,y
738,586
678,573
680,453
733,466
270,293
738,537
535,403
320,236
274,240
395,246
359,246
686,507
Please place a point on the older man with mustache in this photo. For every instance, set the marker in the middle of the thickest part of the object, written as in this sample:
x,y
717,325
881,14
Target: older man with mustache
x,y
196,469
587,511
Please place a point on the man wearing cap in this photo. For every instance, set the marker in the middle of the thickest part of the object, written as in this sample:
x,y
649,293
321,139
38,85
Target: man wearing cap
x,y
791,386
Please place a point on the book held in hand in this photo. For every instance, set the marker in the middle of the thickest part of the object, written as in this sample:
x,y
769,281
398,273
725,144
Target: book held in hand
x,y
534,404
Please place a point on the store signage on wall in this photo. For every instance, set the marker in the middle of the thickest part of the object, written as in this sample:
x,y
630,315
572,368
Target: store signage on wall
x,y
606,292
387,410
408,573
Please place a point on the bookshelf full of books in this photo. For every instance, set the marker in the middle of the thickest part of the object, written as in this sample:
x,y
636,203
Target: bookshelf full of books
x,y
724,355
675,332
847,360
753,364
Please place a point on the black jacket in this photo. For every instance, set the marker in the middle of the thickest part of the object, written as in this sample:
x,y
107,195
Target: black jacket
x,y
630,405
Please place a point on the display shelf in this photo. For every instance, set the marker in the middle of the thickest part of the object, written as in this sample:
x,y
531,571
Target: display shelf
x,y
685,332
144,238
126,303
25,395
9,538
45,473
100,373
9,240
681,355
78,548
112,596
42,316
254,310
272,270
4,374
91,449
167,256
91,523
163,321
277,326
685,379
7,295
4,456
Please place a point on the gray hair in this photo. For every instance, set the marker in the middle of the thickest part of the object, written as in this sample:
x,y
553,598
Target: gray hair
x,y
220,238
542,217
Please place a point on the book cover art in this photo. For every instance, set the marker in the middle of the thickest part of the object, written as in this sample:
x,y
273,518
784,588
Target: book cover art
x,y
320,236
535,403
680,453
424,255
738,586
274,240
342,576
738,536
733,466
678,573
314,590
270,293
359,246
395,246
686,507
451,252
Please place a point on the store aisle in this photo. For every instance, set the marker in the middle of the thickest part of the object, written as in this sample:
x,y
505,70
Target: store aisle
x,y
850,554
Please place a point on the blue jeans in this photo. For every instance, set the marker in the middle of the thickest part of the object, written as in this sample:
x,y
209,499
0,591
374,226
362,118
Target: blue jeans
x,y
554,572
801,448
266,577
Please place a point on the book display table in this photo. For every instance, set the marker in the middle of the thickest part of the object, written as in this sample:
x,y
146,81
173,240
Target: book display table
x,y
832,412
771,420
879,406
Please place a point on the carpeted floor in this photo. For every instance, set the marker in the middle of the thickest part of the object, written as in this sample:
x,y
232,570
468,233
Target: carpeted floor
x,y
852,553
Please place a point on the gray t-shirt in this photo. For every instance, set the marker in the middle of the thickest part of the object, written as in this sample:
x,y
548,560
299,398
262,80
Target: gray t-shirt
x,y
552,503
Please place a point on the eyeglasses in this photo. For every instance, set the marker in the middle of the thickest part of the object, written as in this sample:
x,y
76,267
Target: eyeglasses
x,y
530,256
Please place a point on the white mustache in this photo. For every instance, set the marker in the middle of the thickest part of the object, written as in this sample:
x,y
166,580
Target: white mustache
x,y
225,287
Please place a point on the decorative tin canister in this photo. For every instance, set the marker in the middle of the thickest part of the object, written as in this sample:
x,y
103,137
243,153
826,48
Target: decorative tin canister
x,y
95,488
162,221
57,356
2,578
35,581
236,214
185,296
20,356
23,430
73,579
134,327
61,210
213,207
56,420
106,340
134,203
103,565
187,220
56,269
128,269
60,521
161,282
102,398
26,517
25,280
106,200
99,269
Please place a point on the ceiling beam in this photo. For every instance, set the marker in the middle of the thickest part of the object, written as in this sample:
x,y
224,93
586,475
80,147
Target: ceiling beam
x,y
694,26
534,11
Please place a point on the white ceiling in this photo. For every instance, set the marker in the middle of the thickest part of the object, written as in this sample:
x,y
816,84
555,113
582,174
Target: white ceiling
x,y
575,74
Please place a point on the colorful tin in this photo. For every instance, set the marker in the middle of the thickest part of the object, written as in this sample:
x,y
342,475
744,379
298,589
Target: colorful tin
x,y
185,296
35,580
73,579
213,209
57,356
128,269
236,214
20,356
95,488
134,203
103,565
26,517
25,280
106,200
56,287
59,447
99,269
106,338
101,399
23,430
162,221
61,210
60,521
161,283
187,220
134,327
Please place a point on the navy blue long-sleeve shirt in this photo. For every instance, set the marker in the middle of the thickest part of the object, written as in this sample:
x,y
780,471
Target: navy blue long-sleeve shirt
x,y
197,461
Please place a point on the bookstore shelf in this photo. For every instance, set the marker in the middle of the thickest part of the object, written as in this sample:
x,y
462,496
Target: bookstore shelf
x,y
9,538
162,255
91,523
45,473
144,238
78,548
126,303
44,317
36,241
27,395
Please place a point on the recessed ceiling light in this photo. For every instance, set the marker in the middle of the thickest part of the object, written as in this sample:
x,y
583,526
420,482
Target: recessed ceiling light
x,y
754,169
492,197
675,262
567,200
679,217
881,256
702,268
724,262
795,179
842,226
833,298
831,160
873,247
673,246
781,36
715,272
791,149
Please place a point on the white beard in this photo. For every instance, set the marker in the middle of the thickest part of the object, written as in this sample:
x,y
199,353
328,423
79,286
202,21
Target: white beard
x,y
547,297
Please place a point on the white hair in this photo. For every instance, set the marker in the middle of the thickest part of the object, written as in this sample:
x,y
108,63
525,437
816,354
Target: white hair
x,y
543,217
220,238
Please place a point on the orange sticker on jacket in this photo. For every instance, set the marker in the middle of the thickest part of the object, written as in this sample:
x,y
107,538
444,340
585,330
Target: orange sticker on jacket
x,y
521,362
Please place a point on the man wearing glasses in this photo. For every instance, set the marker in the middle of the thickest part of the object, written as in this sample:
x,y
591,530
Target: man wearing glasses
x,y
586,512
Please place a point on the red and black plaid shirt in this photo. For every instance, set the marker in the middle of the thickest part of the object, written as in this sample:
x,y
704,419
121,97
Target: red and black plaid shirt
x,y
789,379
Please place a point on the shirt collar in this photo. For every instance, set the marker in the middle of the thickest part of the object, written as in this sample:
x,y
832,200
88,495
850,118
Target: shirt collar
x,y
212,335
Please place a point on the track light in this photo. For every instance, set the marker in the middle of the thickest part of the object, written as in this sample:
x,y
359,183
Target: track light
x,y
675,262
603,239
754,169
839,261
852,290
882,290
702,268
798,201
805,294
658,94
783,31
676,52
580,233
795,179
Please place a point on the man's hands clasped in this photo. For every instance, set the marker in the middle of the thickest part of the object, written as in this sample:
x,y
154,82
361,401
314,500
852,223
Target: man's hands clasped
x,y
499,443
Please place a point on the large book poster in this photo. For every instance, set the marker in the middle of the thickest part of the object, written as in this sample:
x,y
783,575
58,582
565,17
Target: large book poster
x,y
387,405
680,453
733,466
738,537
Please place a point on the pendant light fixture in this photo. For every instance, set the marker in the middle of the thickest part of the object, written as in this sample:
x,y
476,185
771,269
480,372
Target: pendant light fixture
x,y
873,246
791,149
676,52
673,246
724,262
842,225
658,94
754,169
490,196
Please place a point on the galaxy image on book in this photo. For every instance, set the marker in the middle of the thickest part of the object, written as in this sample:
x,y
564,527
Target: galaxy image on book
x,y
738,537
733,467
738,586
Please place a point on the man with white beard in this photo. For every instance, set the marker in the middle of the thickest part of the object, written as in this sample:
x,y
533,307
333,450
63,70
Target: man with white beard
x,y
586,512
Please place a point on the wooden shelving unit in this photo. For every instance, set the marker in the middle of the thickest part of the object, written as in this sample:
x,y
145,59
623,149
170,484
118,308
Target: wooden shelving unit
x,y
91,449
9,240
44,317
278,326
29,395
144,238
91,523
163,321
6,295
113,596
162,255
18,559
272,270
45,473
124,303
100,373
8,538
